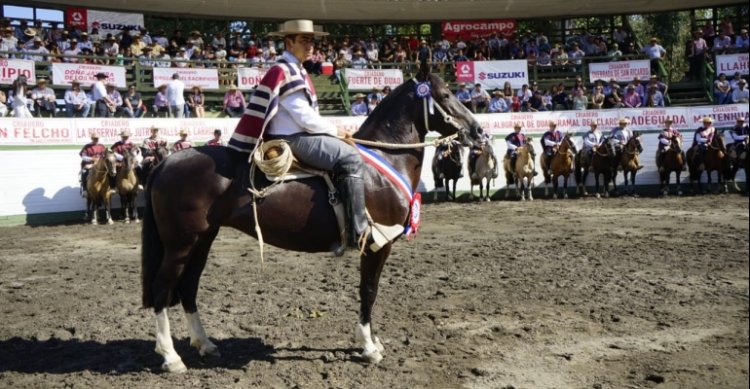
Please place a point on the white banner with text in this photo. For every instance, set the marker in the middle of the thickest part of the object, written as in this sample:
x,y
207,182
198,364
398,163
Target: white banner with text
x,y
732,63
621,71
10,69
249,78
204,78
65,73
366,79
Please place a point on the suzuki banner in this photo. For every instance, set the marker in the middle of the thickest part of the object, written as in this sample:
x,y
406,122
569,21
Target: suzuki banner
x,y
10,69
469,29
622,71
204,78
249,78
493,74
107,22
732,63
366,79
65,73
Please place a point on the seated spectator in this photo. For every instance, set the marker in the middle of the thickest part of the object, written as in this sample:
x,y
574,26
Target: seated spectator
x,y
615,54
535,103
358,61
463,95
597,98
133,106
735,81
498,104
561,100
196,101
359,106
740,95
375,94
742,41
660,86
547,100
524,94
480,99
372,104
576,55
614,99
116,98
37,52
161,106
3,104
72,50
631,98
722,90
544,59
76,101
722,44
639,88
44,99
654,98
580,100
234,102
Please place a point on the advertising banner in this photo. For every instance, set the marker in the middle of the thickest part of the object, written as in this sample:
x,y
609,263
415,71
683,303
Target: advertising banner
x,y
732,63
64,73
76,17
113,22
493,74
622,71
468,29
366,79
204,78
10,69
249,78
723,115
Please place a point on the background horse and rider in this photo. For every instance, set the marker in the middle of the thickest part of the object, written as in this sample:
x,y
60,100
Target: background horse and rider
x,y
522,174
192,194
447,166
714,160
98,190
629,162
483,170
671,162
127,185
737,158
599,164
560,165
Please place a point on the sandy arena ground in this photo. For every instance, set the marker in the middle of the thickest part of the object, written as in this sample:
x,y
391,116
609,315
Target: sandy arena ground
x,y
616,293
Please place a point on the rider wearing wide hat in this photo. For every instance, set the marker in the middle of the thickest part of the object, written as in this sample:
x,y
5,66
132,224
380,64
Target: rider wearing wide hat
x,y
311,138
665,141
591,141
550,142
476,150
90,153
737,137
515,140
619,137
702,138
181,144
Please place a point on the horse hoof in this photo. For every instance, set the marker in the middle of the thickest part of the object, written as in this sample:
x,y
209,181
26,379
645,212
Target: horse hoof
x,y
565,197
209,350
137,221
110,222
127,221
372,357
174,367
94,222
679,193
598,196
378,344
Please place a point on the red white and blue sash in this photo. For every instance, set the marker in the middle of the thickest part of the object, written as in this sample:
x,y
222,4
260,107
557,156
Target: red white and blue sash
x,y
403,186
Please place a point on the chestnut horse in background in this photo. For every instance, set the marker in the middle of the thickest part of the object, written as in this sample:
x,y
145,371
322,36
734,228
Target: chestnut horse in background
x,y
97,187
127,185
630,164
715,161
672,163
195,192
561,165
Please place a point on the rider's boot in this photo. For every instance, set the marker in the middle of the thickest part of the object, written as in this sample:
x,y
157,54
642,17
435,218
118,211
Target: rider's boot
x,y
358,227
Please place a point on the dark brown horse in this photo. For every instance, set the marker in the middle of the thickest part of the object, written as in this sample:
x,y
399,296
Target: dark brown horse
x,y
714,161
196,191
672,163
630,164
560,165
600,165
447,166
737,160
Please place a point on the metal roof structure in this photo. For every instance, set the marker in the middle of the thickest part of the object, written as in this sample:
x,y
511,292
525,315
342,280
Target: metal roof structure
x,y
383,11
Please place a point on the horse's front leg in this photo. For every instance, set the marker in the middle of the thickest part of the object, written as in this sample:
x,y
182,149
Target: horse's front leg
x,y
107,208
371,265
134,204
124,205
92,206
565,186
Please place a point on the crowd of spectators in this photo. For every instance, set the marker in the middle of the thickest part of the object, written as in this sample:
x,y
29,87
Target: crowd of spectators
x,y
230,49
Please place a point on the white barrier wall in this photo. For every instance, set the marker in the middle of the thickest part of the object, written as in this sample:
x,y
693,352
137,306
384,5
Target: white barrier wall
x,y
39,160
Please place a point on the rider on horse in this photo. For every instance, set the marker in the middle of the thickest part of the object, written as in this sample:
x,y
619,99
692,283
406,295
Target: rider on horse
x,y
216,140
181,144
703,137
591,141
89,154
737,137
550,142
665,141
119,148
514,141
294,118
476,150
620,136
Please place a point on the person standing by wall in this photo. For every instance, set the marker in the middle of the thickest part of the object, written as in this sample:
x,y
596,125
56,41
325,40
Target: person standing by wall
x,y
176,96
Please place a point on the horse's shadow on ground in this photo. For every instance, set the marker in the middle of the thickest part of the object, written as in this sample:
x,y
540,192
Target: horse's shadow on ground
x,y
121,356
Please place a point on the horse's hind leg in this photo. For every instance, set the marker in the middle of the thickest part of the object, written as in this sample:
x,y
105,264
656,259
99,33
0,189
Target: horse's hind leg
x,y
188,290
371,267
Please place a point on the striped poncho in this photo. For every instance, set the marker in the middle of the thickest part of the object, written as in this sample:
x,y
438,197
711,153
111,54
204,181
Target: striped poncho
x,y
281,80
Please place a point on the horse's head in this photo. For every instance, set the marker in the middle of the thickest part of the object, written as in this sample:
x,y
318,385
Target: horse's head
x,y
161,152
446,115
635,144
110,163
609,149
677,144
718,142
129,160
568,144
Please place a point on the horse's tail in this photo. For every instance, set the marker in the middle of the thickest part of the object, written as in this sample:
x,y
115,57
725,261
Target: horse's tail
x,y
152,251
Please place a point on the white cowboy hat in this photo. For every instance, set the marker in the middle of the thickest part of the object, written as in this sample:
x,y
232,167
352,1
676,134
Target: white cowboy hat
x,y
300,26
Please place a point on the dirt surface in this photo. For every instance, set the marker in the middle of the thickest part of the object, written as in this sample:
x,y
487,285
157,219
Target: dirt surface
x,y
617,293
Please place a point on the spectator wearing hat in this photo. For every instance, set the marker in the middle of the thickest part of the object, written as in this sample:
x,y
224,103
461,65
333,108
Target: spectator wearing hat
x,y
722,44
147,58
133,106
375,94
44,99
181,144
161,107
196,39
480,99
498,103
631,98
697,52
359,106
358,60
115,98
655,53
27,35
163,60
216,140
110,46
740,94
76,101
37,51
89,154
654,98
234,102
123,145
8,42
196,102
73,49
218,39
175,94
85,42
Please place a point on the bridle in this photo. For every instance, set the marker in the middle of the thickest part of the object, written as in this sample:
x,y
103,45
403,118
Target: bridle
x,y
428,104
